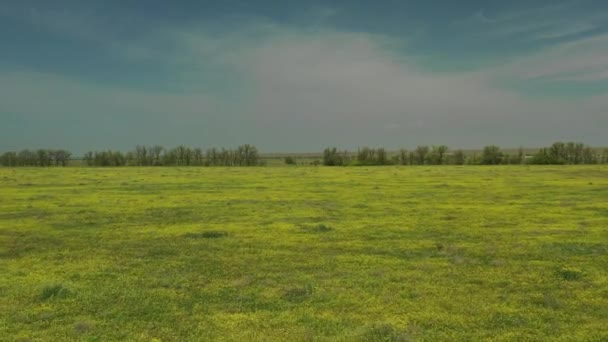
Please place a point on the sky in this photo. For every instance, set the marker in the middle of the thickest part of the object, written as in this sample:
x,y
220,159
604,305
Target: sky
x,y
298,76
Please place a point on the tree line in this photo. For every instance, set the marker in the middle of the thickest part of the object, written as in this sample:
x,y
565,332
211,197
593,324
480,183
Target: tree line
x,y
559,153
40,157
244,155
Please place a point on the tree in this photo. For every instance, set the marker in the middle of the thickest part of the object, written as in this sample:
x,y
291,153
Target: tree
x,y
44,158
492,155
105,158
366,156
381,157
558,154
141,155
9,159
289,160
404,157
371,156
541,157
198,156
180,155
250,155
88,159
412,158
332,157
458,157
436,156
589,156
212,157
565,153
520,156
575,152
605,156
169,158
421,153
117,158
131,160
156,152
61,157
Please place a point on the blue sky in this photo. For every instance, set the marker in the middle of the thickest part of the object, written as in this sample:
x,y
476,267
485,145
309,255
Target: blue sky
x,y
302,75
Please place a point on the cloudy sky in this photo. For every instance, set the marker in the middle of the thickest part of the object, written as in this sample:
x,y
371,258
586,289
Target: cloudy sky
x,y
302,75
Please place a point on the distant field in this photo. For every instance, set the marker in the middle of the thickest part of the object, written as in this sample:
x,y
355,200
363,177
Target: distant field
x,y
446,253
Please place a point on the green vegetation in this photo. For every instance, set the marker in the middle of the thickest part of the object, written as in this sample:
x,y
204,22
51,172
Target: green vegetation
x,y
452,253
244,155
289,160
558,154
40,157
247,155
333,157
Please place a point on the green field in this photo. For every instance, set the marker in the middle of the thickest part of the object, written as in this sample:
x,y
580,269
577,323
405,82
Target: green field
x,y
507,253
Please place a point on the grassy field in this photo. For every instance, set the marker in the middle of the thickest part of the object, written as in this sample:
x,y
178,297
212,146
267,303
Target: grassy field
x,y
304,254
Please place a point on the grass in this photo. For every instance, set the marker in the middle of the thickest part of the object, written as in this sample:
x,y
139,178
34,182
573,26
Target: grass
x,y
446,253
54,291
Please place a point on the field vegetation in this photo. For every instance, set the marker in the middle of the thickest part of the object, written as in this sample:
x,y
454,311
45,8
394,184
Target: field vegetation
x,y
421,253
559,153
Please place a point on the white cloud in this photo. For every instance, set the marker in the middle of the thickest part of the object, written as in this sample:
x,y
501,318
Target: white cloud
x,y
351,76
307,89
352,80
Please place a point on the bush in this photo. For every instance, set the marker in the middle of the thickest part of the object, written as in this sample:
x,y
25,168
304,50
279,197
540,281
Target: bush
x,y
372,156
492,155
333,157
289,160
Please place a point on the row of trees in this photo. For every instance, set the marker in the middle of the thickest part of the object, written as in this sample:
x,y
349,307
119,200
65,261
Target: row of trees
x,y
245,155
422,155
333,157
248,155
40,157
569,153
558,153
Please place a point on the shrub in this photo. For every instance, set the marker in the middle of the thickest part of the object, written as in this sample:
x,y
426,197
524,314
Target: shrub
x,y
492,155
333,157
